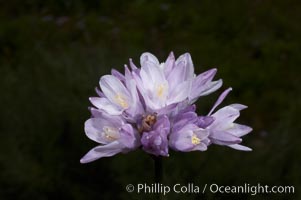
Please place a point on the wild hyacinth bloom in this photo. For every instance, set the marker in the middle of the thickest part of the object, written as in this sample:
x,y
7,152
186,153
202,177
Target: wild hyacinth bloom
x,y
222,130
112,132
186,134
152,108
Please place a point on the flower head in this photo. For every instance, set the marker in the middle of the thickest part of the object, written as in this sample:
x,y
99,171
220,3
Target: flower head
x,y
152,107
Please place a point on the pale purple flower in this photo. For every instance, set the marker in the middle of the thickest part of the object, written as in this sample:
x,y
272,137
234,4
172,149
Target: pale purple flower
x,y
222,130
112,132
186,134
118,95
152,107
172,82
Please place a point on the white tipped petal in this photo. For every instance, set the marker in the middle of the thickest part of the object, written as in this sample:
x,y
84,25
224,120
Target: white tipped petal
x,y
181,141
238,106
169,64
179,93
132,65
118,75
94,129
106,105
224,117
202,133
211,87
240,147
223,138
115,91
220,99
200,147
239,130
150,73
148,57
101,151
189,69
204,90
176,75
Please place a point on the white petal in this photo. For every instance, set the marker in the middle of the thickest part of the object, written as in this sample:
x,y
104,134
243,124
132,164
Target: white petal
x,y
204,90
176,76
169,64
148,57
220,99
115,91
94,127
200,147
154,86
240,147
224,118
212,87
150,74
238,106
181,141
118,75
189,69
144,92
102,151
136,105
128,76
129,137
95,112
202,133
132,65
180,93
223,138
106,105
239,130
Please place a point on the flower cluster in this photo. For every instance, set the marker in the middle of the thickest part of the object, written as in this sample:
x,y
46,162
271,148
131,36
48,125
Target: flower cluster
x,y
152,107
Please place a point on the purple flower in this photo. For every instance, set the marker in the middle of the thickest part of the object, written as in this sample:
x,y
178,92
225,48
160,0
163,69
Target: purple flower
x,y
114,135
119,95
172,82
152,107
186,135
222,130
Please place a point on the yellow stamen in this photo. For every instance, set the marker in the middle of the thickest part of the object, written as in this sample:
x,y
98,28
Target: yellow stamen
x,y
110,133
109,137
121,101
195,140
160,90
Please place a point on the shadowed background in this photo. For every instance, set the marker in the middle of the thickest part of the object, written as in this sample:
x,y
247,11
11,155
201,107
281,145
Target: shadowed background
x,y
52,54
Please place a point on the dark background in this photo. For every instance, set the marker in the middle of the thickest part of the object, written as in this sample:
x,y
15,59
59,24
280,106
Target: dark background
x,y
52,54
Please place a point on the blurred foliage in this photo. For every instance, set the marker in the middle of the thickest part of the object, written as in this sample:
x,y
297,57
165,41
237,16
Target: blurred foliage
x,y
52,54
